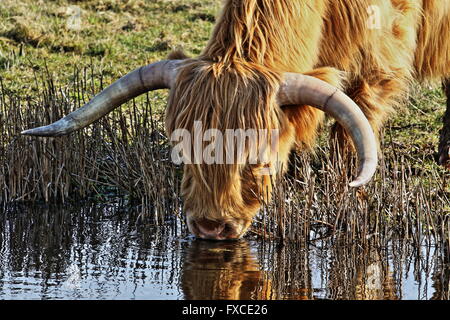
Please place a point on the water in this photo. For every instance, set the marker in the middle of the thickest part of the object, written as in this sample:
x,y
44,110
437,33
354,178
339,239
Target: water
x,y
102,253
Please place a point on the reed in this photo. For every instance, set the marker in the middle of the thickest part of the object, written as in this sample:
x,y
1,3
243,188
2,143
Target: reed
x,y
406,201
123,155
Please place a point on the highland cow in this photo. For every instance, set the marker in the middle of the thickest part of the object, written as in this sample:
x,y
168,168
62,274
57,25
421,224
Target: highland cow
x,y
282,65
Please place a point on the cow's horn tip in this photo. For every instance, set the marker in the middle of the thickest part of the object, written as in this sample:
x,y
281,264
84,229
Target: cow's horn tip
x,y
356,184
360,182
39,132
29,132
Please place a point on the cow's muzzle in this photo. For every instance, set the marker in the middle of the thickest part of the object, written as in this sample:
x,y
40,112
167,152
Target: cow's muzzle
x,y
215,230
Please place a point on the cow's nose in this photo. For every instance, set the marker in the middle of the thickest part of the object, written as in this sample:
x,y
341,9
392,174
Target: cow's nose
x,y
213,230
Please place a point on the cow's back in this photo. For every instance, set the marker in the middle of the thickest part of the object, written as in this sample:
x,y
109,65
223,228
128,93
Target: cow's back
x,y
432,59
371,38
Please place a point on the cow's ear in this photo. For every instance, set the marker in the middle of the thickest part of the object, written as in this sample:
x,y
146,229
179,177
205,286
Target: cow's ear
x,y
177,55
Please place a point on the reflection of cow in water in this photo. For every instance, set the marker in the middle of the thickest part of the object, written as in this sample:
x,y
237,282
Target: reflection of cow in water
x,y
224,271
232,271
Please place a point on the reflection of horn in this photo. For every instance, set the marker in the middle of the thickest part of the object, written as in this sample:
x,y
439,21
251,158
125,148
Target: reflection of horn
x,y
224,271
372,281
375,283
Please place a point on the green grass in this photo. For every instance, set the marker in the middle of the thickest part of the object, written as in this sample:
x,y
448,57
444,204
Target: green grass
x,y
118,35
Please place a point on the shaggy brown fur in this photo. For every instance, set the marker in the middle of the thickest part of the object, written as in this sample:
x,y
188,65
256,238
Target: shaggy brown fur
x,y
224,272
233,84
224,97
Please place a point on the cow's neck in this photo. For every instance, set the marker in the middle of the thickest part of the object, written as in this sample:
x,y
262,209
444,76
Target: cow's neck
x,y
283,35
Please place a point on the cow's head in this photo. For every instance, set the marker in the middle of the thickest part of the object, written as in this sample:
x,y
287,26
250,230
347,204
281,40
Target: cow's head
x,y
224,185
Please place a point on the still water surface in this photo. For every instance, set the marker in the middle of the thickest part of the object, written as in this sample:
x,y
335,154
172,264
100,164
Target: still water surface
x,y
101,253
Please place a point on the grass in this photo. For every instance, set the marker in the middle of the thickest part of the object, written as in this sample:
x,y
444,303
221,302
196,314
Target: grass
x,y
56,56
119,35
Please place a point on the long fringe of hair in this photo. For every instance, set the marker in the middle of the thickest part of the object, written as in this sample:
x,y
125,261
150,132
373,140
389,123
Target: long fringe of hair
x,y
223,96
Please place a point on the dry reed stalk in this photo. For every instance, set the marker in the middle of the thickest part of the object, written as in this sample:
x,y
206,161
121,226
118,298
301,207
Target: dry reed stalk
x,y
123,155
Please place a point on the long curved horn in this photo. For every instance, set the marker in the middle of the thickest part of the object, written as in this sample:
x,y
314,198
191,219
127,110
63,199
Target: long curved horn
x,y
159,75
299,89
